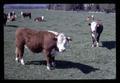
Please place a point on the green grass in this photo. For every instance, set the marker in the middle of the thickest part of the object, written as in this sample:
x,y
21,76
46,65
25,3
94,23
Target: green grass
x,y
80,61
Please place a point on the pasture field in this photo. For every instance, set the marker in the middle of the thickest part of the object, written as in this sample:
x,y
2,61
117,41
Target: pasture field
x,y
80,61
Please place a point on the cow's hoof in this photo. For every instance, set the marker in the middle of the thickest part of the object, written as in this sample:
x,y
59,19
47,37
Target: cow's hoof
x,y
53,64
97,45
17,60
50,68
92,46
22,61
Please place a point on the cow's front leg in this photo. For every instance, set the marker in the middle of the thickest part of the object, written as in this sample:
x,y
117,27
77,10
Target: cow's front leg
x,y
53,53
94,39
48,59
98,36
53,61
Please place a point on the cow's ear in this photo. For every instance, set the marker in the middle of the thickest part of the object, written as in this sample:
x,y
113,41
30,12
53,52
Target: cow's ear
x,y
69,38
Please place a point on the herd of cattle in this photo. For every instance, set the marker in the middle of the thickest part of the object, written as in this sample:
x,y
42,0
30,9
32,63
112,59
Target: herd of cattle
x,y
47,41
11,16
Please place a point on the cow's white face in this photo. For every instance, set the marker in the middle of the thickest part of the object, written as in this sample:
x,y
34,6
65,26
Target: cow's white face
x,y
61,42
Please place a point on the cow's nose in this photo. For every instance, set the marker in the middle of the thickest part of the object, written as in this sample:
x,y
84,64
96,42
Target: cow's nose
x,y
62,50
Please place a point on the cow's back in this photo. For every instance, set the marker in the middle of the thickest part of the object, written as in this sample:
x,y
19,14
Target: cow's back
x,y
36,41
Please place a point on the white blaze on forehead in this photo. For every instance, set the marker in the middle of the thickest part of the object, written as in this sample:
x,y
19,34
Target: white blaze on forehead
x,y
93,26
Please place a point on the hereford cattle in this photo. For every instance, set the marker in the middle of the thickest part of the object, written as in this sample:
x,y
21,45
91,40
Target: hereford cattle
x,y
26,14
40,41
39,19
4,19
96,30
11,16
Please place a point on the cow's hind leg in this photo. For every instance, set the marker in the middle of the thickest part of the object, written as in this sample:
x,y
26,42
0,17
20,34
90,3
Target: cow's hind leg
x,y
98,40
93,40
99,31
19,55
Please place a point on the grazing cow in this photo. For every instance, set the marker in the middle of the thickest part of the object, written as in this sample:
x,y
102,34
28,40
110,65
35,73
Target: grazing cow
x,y
5,19
96,30
11,16
26,14
39,19
38,41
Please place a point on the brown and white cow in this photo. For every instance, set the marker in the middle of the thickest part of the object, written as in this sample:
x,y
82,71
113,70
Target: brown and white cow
x,y
26,14
11,16
40,41
96,30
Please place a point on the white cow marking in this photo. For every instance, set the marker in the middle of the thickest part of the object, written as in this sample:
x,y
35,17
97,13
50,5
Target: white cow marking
x,y
22,61
61,40
93,26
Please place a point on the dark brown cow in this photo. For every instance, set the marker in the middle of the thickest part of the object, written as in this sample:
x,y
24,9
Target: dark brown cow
x,y
38,41
26,14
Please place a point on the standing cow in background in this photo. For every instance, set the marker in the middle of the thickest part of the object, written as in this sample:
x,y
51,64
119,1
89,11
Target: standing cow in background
x,y
11,16
38,41
26,14
96,30
39,19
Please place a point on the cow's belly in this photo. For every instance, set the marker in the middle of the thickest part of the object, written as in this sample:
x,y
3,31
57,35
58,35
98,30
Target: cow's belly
x,y
34,49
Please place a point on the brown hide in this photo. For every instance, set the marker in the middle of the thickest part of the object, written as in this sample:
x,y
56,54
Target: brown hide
x,y
36,41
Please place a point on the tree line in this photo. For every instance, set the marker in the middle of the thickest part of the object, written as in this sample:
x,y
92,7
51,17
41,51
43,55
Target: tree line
x,y
83,7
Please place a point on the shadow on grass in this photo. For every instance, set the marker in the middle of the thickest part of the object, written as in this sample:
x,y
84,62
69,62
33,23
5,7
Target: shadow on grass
x,y
109,44
12,26
66,64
